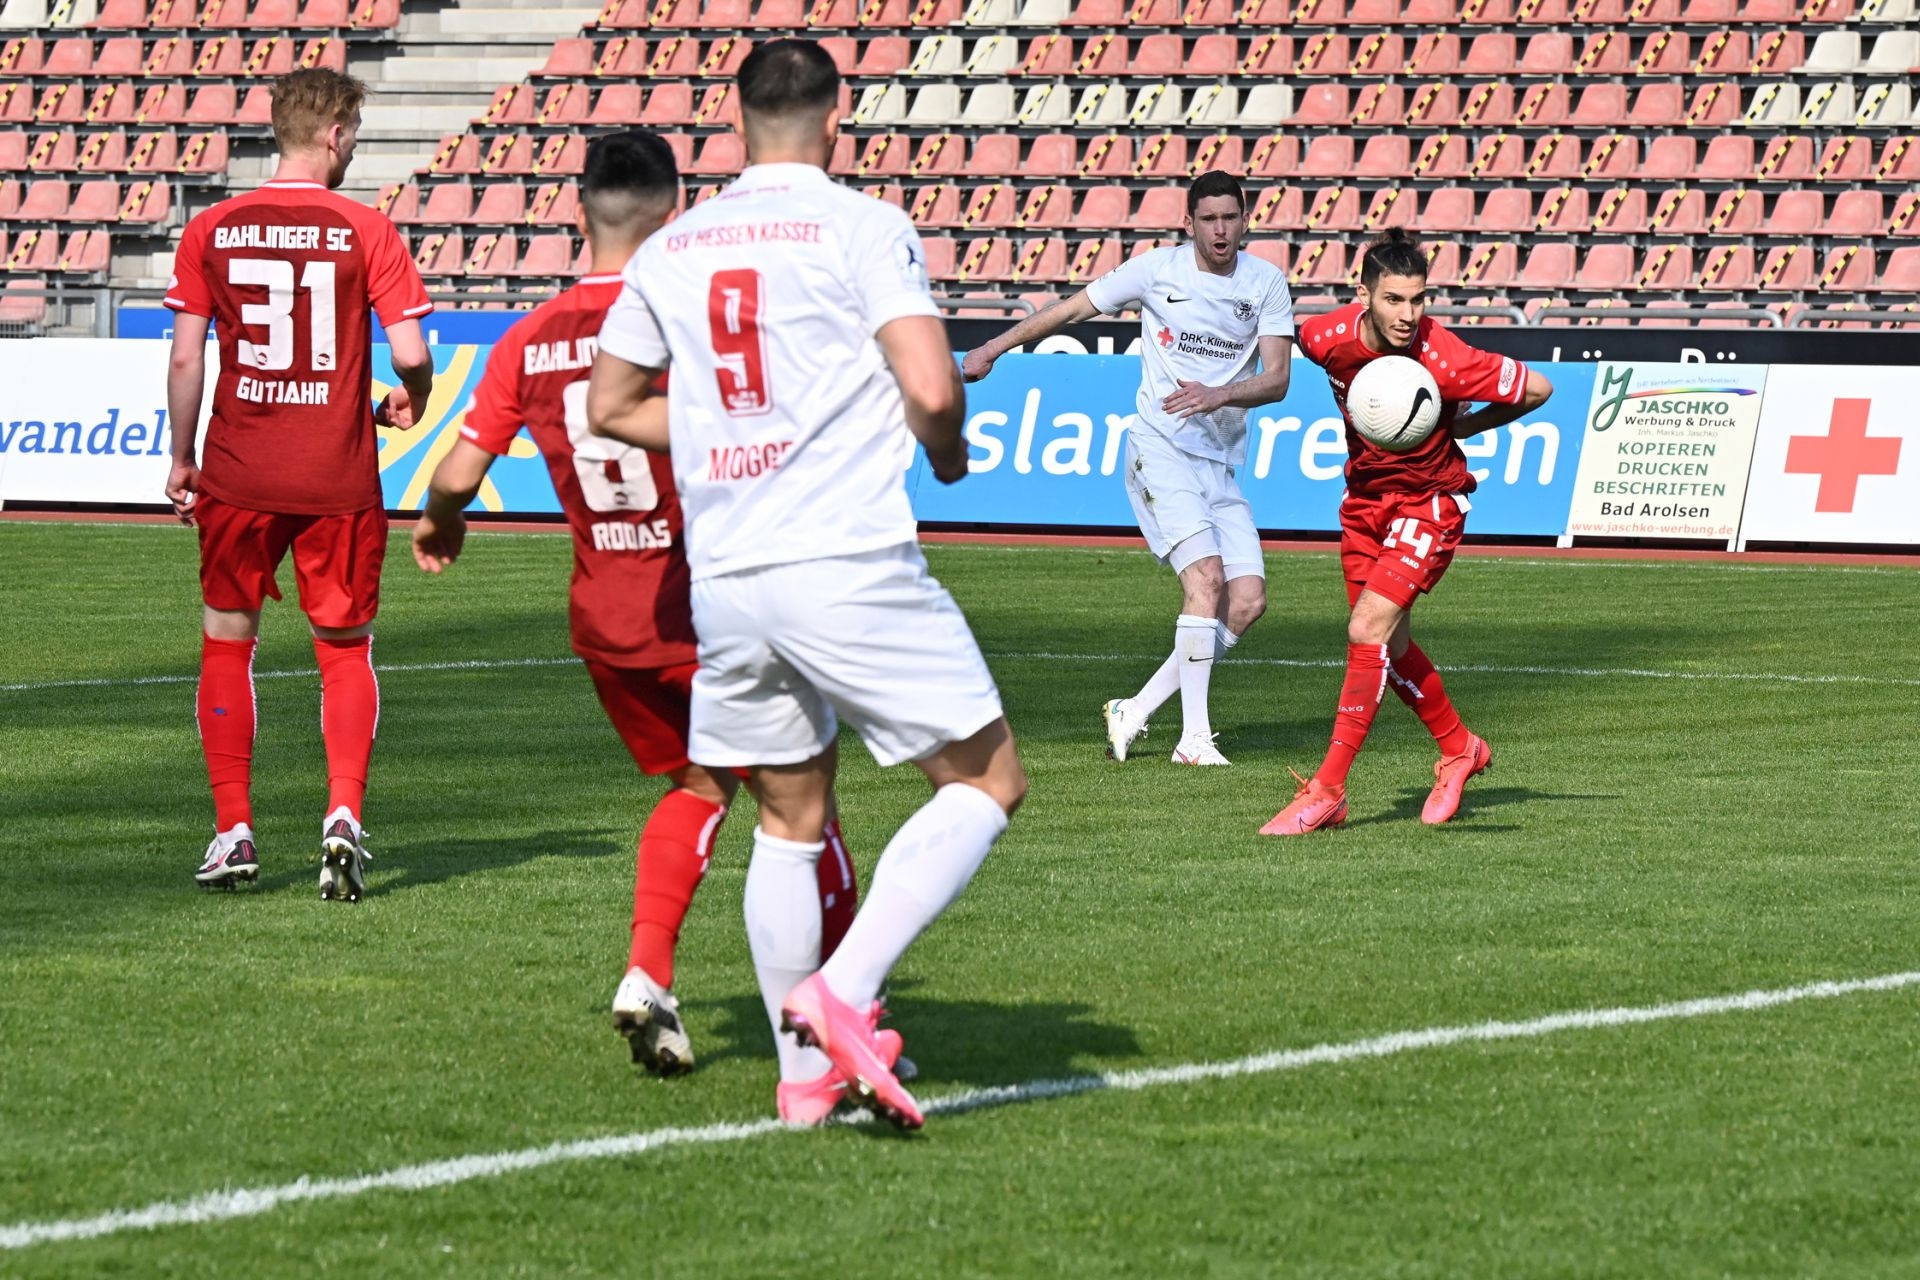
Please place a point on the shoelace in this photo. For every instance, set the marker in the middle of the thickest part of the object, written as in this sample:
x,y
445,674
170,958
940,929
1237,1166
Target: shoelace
x,y
1304,782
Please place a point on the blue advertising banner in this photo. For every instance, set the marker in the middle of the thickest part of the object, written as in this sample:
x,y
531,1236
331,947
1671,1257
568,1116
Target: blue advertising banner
x,y
1047,435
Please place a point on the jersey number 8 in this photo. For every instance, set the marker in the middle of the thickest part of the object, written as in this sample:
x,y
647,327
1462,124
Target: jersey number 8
x,y
613,476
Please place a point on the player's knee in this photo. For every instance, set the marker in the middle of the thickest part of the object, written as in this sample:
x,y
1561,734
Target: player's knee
x,y
1010,787
1366,628
1245,610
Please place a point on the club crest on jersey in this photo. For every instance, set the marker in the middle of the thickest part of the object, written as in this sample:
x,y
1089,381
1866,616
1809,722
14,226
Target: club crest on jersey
x,y
1243,309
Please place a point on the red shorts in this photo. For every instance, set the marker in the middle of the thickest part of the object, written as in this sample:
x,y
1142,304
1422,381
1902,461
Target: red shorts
x,y
649,707
336,560
1398,545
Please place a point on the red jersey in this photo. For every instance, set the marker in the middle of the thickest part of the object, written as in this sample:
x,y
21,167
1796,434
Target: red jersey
x,y
630,603
1466,375
288,274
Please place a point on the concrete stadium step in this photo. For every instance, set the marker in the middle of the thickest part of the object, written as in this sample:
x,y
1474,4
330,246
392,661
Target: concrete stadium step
x,y
503,25
410,121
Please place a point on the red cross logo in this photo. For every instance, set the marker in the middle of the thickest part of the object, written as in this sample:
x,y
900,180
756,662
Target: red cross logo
x,y
1843,455
1165,336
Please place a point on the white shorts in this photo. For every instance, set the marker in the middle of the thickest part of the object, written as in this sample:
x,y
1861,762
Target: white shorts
x,y
871,637
1177,496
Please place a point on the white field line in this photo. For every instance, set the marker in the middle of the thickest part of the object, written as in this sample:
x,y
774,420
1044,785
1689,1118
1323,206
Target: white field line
x,y
222,1206
1311,664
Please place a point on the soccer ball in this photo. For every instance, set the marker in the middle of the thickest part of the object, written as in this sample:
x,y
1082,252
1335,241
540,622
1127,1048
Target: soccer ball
x,y
1395,403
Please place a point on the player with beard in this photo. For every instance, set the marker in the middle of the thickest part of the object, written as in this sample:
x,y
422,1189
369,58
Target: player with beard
x,y
1401,519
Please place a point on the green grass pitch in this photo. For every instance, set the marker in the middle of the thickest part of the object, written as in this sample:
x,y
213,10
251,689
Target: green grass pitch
x,y
1642,839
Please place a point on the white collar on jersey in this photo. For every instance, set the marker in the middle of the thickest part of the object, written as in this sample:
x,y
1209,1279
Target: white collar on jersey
x,y
286,184
611,277
789,171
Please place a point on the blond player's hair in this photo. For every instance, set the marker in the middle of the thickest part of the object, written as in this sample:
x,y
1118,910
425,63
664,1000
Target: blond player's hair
x,y
308,101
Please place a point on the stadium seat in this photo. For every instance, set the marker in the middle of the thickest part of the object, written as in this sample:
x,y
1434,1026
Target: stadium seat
x,y
1622,212
1505,210
1436,53
1334,209
1545,106
1391,207
1902,272
1489,106
1441,157
1328,156
1047,207
1787,267
1666,53
1490,54
1383,53
45,200
95,201
937,206
1274,156
1906,216
1443,263
1160,209
1279,209
1547,54
1491,266
1094,258
160,153
440,254
1385,155
1434,106
566,105
1845,159
1727,52
994,154
988,259
1107,156
1833,53
886,155
1319,262
1899,161
1671,156
1604,267
1164,155
1772,106
1381,105
1658,108
1729,158
501,204
493,255
1894,53
1564,211
1555,157
1681,212
1600,106
1739,212
1501,155
1855,213
1848,269
1666,266
1779,52
1448,209
1549,268
1613,157
1829,105
448,203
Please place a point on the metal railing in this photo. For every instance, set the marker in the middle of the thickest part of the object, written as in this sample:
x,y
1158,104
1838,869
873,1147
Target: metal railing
x,y
1811,316
1598,316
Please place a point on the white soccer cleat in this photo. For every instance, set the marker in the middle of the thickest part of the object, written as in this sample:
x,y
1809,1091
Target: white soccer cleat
x,y
1123,726
343,858
231,859
1199,750
649,1017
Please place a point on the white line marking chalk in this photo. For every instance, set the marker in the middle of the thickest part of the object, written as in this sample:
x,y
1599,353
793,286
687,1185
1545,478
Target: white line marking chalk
x,y
1315,664
224,1206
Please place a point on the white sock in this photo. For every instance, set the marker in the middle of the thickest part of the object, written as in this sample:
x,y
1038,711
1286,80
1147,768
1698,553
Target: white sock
x,y
783,933
1160,686
926,865
1194,641
1224,640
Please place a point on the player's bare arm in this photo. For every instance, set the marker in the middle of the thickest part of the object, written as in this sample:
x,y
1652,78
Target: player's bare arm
x,y
623,405
921,357
1489,416
406,405
441,531
1269,386
1041,324
186,380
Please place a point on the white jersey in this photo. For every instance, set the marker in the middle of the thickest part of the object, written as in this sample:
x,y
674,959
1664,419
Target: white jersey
x,y
789,434
1197,327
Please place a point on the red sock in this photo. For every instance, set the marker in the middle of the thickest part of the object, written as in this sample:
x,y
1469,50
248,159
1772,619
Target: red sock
x,y
1418,684
349,714
1359,699
674,848
839,891
224,709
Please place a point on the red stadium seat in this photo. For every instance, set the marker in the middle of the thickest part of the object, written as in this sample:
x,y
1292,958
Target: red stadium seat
x,y
1727,52
1334,209
1666,266
1800,212
1615,156
1322,104
992,207
1160,209
887,155
1274,156
324,13
668,105
97,201
1047,207
1666,53
1555,157
1221,151
62,104
990,258
1739,212
1729,269
1386,155
1420,15
509,154
122,15
566,105
1328,155
1159,56
1781,51
512,104
1601,106
1565,211
1434,106
1855,213
204,153
400,202
1443,263
1492,13
1547,54
1327,54
150,202
940,154
54,153
16,103
937,206
1381,106
1546,106
1549,268
1213,55
617,105
1902,272
1681,212
256,108
1729,159
1042,261
1489,106
1383,53
1508,209
213,104
457,155
1502,155
547,255
1789,158
1441,157
1671,156
72,56
1899,161
87,252
1848,269
26,55
439,254
1051,155
1268,55
1437,53
1788,267
1277,252
1105,207
1491,54
1492,266
1845,159
104,153
556,204
501,204
1448,209
448,204
1391,207
1622,212
1604,268
159,153
995,154
1107,156
1279,209
1605,54
1164,155
1320,262
1657,108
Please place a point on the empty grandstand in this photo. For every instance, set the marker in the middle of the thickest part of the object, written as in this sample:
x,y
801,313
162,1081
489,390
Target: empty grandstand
x,y
1731,154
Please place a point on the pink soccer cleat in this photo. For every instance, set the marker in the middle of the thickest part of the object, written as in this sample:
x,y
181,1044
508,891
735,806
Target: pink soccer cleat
x,y
810,1102
1450,779
1315,807
820,1018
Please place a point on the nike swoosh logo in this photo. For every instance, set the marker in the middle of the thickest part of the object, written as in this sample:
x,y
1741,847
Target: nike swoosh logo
x,y
1199,659
1420,399
1174,298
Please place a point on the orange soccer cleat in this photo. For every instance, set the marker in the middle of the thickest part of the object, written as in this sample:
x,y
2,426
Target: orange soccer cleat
x,y
1450,779
1315,807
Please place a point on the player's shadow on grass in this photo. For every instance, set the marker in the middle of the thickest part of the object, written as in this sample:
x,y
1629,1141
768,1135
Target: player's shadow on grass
x,y
972,1042
421,865
1478,800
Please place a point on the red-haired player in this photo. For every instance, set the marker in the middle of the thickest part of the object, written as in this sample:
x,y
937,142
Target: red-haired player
x,y
1400,522
631,616
290,271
